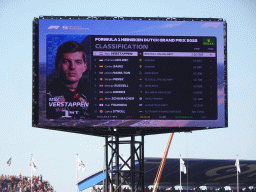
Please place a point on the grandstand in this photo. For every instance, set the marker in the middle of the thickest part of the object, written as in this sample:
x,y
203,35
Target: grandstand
x,y
23,183
214,174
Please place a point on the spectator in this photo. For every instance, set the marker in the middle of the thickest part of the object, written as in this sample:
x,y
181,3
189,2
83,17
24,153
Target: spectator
x,y
15,184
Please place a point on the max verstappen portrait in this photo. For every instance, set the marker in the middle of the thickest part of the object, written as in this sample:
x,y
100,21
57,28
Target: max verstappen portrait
x,y
67,93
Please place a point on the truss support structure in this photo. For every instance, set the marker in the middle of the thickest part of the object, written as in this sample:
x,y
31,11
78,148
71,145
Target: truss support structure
x,y
121,171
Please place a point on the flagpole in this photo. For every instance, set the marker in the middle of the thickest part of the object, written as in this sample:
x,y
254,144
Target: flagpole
x,y
10,167
31,171
187,174
77,171
180,172
187,159
237,181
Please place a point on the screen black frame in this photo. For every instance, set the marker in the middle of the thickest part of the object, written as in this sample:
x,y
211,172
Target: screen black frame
x,y
120,131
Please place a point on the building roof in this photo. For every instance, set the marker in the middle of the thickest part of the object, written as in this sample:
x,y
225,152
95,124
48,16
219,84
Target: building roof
x,y
200,172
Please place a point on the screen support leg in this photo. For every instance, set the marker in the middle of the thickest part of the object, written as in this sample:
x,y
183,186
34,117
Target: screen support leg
x,y
130,171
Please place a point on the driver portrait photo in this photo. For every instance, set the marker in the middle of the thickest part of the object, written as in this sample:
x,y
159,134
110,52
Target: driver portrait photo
x,y
67,93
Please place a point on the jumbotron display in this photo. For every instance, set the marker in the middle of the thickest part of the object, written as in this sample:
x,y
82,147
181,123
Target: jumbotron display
x,y
107,76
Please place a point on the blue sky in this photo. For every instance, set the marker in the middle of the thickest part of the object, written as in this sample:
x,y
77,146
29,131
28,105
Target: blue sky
x,y
55,152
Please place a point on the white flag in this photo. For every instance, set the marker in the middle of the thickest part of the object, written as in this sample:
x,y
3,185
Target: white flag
x,y
33,164
237,165
182,166
81,165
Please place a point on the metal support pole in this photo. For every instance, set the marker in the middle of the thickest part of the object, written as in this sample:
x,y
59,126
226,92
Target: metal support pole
x,y
111,166
104,167
142,163
161,167
106,164
180,173
132,165
117,163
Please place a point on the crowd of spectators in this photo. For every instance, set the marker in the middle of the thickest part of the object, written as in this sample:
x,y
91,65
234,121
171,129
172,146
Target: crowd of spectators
x,y
23,184
172,189
222,189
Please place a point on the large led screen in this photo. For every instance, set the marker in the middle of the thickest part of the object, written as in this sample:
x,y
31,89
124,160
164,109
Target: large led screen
x,y
118,73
